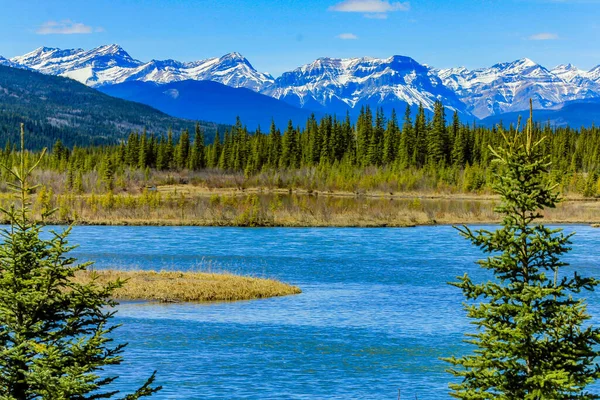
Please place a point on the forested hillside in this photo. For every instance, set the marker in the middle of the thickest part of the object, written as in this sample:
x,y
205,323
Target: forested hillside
x,y
59,108
407,154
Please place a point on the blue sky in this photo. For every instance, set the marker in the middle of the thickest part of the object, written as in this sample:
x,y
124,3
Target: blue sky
x,y
280,35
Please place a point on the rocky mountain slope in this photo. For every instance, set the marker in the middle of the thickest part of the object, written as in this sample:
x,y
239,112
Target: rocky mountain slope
x,y
339,85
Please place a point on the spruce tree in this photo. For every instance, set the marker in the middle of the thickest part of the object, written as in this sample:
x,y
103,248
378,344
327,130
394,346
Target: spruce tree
x,y
364,131
215,151
314,140
325,133
436,138
109,173
143,152
390,139
534,340
407,142
78,184
374,150
420,134
182,150
53,332
289,148
458,148
197,160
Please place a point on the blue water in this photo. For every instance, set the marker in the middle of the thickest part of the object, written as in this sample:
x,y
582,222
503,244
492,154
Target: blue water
x,y
375,314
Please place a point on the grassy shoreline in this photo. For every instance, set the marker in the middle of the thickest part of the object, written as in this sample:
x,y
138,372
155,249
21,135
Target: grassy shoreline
x,y
190,205
175,286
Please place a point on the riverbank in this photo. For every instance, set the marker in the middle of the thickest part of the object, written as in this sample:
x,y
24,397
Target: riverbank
x,y
190,205
173,286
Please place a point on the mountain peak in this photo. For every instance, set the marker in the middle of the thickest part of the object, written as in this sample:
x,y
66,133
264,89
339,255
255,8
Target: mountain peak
x,y
234,59
41,54
337,82
520,64
111,50
399,58
594,74
234,56
568,66
44,49
527,62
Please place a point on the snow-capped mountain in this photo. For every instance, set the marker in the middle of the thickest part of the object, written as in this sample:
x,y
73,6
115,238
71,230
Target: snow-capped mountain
x,y
337,85
507,87
333,84
7,63
594,74
90,67
232,70
109,65
568,72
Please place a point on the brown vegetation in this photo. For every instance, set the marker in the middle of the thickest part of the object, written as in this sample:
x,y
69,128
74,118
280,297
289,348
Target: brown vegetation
x,y
173,286
187,204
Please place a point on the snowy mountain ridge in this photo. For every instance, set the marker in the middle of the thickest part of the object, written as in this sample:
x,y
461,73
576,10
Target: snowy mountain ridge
x,y
333,84
111,64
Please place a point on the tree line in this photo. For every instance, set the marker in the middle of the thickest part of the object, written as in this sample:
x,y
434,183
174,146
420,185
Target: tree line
x,y
419,142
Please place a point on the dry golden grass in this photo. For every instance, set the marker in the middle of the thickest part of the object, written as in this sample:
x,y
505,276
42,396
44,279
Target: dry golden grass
x,y
198,206
173,286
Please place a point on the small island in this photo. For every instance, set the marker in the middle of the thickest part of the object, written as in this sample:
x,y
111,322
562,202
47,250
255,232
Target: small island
x,y
176,286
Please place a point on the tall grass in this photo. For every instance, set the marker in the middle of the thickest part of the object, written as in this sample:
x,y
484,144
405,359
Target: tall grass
x,y
191,205
173,286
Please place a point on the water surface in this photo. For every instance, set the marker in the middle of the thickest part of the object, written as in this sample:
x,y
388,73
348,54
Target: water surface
x,y
376,313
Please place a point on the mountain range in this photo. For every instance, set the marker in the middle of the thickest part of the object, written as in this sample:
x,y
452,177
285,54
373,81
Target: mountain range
x,y
53,107
327,85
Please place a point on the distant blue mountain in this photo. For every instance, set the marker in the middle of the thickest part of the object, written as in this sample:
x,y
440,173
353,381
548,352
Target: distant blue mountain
x,y
574,114
213,101
334,85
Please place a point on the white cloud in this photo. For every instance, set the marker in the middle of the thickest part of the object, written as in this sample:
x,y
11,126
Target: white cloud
x,y
66,27
347,36
543,36
371,8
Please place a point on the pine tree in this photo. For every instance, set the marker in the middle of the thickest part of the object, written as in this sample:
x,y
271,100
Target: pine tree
x,y
591,188
407,143
169,150
225,155
53,332
161,156
70,177
374,151
143,152
364,131
183,150
436,138
289,148
215,151
109,173
420,134
458,148
274,146
314,140
78,184
132,150
325,133
390,139
58,151
533,339
197,160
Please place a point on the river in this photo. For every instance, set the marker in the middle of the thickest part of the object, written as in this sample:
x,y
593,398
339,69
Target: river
x,y
375,316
